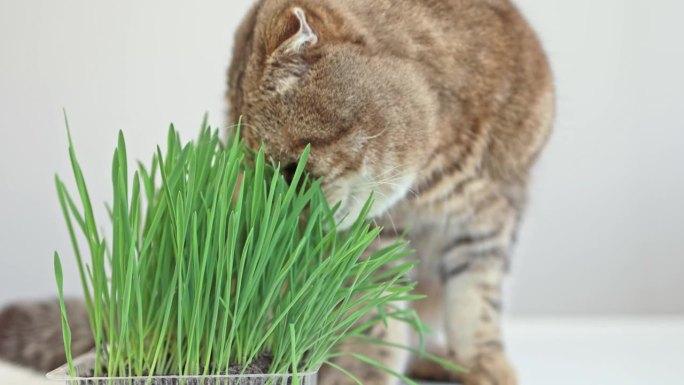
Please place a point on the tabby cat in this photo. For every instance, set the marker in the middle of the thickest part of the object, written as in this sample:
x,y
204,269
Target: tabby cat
x,y
439,107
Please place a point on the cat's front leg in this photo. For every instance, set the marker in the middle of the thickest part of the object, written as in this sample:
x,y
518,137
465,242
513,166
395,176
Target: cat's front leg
x,y
473,311
397,332
473,269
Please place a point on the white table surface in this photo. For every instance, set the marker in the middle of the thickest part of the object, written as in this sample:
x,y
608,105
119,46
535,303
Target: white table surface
x,y
560,351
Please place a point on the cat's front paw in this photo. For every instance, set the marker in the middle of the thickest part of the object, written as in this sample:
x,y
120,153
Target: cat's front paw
x,y
422,369
367,376
490,369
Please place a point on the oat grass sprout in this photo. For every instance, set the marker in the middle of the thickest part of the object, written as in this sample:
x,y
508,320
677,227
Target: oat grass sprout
x,y
214,261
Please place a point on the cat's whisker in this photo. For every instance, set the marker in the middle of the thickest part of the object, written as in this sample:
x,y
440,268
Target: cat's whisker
x,y
241,125
389,179
394,226
389,170
379,134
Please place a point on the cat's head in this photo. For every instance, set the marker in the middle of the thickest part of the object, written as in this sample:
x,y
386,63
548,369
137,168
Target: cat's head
x,y
312,76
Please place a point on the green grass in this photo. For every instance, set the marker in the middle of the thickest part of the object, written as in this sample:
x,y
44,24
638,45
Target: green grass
x,y
215,259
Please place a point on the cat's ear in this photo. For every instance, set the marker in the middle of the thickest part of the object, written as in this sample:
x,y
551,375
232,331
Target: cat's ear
x,y
286,65
305,36
292,33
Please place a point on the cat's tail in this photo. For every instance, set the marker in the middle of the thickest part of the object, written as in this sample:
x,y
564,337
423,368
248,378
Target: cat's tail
x,y
31,333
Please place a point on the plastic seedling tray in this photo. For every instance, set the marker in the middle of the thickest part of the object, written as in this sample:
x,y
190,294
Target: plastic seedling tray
x,y
84,369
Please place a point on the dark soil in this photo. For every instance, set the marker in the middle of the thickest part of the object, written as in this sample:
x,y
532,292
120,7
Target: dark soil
x,y
259,365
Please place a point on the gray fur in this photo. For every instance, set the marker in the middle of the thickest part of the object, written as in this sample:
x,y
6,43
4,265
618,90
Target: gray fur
x,y
31,333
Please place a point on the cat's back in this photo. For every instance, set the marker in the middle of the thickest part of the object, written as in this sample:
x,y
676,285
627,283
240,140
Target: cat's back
x,y
486,64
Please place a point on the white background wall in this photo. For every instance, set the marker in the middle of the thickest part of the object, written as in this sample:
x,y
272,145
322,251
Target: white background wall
x,y
603,231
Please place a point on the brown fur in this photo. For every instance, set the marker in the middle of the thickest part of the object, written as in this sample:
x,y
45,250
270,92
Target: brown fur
x,y
439,107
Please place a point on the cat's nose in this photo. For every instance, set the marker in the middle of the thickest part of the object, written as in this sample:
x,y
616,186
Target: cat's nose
x,y
288,172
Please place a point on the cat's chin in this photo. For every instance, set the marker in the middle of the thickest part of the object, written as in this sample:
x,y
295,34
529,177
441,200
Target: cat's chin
x,y
383,200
